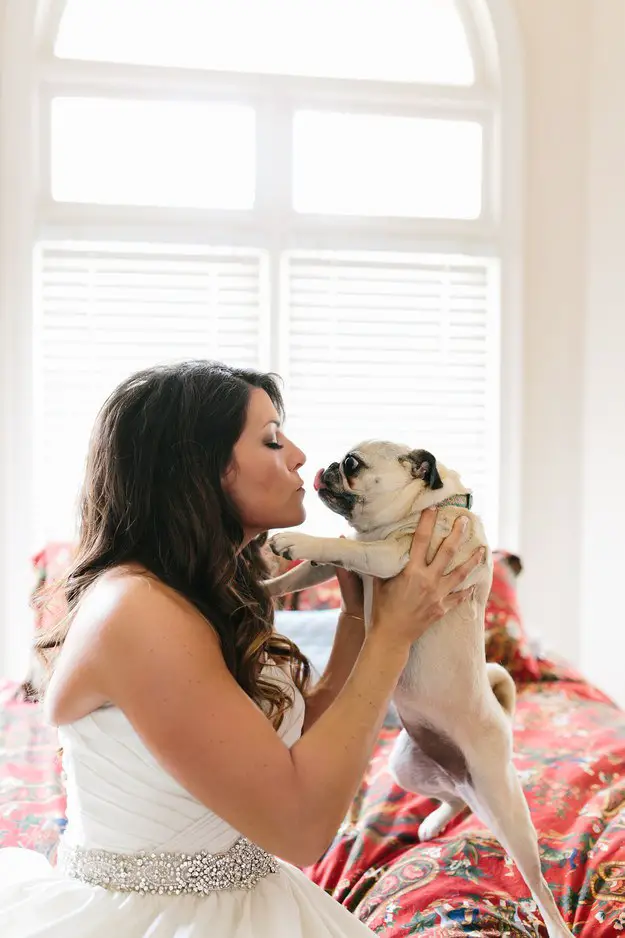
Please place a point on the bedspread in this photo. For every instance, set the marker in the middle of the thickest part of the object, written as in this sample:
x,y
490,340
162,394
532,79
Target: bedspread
x,y
570,752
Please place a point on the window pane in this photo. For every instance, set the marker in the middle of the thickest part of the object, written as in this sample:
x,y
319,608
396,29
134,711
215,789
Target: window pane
x,y
385,40
399,347
107,310
113,152
369,164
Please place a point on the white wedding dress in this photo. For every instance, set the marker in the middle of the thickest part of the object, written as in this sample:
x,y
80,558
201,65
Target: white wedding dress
x,y
142,858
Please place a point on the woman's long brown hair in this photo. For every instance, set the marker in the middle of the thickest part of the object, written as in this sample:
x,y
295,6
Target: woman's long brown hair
x,y
152,496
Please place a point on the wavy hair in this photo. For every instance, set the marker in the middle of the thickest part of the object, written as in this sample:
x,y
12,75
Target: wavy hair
x,y
152,495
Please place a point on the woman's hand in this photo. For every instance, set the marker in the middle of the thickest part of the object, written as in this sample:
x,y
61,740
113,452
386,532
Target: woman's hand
x,y
409,603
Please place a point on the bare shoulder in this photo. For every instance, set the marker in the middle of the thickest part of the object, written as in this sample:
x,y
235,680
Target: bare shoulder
x,y
126,615
123,602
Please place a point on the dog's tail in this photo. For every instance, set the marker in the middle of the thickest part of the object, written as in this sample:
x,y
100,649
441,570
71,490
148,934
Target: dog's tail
x,y
502,687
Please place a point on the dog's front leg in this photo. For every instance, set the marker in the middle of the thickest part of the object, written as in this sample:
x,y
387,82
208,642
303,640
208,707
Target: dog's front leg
x,y
381,559
301,577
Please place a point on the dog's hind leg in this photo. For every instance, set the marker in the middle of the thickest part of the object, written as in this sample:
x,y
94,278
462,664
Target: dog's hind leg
x,y
417,770
495,794
437,821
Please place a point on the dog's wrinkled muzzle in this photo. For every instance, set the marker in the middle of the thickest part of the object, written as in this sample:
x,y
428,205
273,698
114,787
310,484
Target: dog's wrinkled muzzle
x,y
331,478
331,490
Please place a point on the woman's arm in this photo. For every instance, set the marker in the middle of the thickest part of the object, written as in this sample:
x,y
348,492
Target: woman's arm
x,y
160,662
135,644
348,641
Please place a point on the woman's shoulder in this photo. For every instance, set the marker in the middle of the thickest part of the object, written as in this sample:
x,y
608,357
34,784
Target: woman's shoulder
x,y
129,597
125,613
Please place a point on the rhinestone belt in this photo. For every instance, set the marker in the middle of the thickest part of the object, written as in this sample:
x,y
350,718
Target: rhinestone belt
x,y
169,874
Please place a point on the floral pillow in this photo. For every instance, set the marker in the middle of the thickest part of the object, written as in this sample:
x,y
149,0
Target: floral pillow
x,y
506,640
50,565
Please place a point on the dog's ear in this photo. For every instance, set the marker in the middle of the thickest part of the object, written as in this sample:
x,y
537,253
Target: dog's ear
x,y
423,466
515,564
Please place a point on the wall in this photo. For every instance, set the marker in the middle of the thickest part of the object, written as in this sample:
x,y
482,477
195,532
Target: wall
x,y
573,514
603,455
557,66
17,147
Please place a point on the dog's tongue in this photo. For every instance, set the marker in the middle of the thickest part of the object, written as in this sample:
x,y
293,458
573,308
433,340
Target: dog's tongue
x,y
318,483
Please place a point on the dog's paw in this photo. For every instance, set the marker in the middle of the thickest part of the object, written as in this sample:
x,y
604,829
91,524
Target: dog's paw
x,y
436,822
292,546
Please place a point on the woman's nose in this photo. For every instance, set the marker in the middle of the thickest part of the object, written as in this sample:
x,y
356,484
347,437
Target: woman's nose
x,y
299,458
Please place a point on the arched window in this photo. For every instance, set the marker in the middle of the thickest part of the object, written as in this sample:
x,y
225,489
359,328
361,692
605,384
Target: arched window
x,y
398,40
324,188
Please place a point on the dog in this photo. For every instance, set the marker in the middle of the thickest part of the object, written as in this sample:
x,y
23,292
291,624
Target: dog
x,y
456,710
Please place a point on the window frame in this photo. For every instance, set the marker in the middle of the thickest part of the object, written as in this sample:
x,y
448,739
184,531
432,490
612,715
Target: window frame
x,y
32,76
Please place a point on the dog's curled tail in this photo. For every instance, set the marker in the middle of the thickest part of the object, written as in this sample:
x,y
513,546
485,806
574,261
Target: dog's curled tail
x,y
502,687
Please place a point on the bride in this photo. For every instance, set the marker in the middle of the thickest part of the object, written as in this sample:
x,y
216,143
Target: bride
x,y
196,753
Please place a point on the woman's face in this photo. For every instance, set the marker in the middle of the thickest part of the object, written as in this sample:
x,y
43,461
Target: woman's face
x,y
263,479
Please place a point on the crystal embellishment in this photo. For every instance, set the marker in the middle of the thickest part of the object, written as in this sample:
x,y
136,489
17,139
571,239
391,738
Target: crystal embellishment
x,y
242,866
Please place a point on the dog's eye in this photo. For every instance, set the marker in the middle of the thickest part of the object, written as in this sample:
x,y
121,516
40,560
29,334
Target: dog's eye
x,y
350,465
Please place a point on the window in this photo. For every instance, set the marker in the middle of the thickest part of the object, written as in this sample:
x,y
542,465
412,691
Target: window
x,y
320,200
397,347
372,164
112,152
376,40
108,310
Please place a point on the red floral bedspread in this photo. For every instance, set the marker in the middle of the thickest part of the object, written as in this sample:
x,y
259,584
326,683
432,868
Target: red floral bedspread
x,y
570,751
32,800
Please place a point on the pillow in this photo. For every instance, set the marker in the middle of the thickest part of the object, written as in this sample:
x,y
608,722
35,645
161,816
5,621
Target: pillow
x,y
507,642
325,596
313,633
50,565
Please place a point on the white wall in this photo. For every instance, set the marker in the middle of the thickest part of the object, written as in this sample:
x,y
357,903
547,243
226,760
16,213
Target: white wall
x,y
573,514
17,148
603,454
555,35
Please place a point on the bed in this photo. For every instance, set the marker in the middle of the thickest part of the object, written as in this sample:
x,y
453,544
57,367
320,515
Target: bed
x,y
569,750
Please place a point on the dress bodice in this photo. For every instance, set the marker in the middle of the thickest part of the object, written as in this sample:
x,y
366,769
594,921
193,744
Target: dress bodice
x,y
120,799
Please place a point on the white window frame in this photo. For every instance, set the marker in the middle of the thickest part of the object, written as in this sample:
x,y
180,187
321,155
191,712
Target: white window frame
x,y
32,76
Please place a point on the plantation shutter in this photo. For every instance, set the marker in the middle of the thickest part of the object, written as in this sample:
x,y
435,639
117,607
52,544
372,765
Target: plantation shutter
x,y
107,310
398,347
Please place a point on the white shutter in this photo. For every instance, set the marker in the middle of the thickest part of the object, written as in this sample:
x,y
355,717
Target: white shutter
x,y
398,347
107,310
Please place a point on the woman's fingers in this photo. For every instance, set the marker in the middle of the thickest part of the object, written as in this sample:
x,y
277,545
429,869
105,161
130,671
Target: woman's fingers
x,y
456,599
462,571
422,537
449,546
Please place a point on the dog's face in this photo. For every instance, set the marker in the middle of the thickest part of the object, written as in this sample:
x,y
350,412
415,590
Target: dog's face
x,y
379,483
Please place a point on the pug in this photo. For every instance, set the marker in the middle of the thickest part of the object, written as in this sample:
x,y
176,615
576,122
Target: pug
x,y
456,710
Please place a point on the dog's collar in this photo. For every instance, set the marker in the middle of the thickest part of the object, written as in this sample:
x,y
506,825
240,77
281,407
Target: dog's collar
x,y
458,501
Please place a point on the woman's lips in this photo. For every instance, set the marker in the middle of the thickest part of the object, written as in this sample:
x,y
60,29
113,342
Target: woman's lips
x,y
318,483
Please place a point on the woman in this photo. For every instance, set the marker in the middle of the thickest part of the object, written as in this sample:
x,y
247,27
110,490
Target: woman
x,y
195,751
